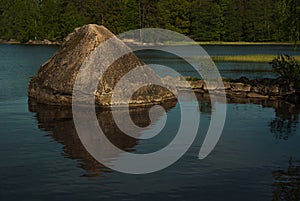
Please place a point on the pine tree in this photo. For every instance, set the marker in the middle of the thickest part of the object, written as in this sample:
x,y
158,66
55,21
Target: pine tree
x,y
21,20
50,26
70,18
115,17
174,15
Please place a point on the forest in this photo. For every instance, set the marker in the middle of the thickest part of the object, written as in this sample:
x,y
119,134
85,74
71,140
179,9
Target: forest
x,y
202,20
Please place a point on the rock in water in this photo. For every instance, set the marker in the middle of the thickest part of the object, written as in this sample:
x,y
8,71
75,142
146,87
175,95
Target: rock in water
x,y
55,80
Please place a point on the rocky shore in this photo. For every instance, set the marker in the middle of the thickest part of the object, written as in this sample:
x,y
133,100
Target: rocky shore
x,y
268,89
30,42
42,42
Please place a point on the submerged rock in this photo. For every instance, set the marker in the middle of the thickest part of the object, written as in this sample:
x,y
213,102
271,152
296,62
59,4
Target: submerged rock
x,y
56,78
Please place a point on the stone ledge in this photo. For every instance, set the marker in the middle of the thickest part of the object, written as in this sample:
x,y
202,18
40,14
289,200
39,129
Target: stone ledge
x,y
272,89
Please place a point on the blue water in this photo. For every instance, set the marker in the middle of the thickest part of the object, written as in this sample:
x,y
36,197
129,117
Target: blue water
x,y
223,50
42,158
233,70
18,63
227,69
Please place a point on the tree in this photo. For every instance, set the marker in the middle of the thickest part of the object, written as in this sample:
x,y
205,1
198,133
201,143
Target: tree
x,y
288,25
50,20
115,18
208,19
205,20
150,13
4,6
287,67
219,11
69,17
294,20
132,16
174,15
93,11
21,20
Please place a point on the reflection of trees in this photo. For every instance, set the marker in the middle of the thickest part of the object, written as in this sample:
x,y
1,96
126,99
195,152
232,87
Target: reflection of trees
x,y
283,126
205,107
285,122
287,182
59,121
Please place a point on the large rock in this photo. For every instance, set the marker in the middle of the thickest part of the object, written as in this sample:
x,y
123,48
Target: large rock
x,y
55,79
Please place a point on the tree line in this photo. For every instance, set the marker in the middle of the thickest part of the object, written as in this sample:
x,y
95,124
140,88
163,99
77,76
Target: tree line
x,y
202,20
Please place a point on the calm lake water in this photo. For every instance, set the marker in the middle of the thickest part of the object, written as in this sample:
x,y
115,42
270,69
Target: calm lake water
x,y
257,157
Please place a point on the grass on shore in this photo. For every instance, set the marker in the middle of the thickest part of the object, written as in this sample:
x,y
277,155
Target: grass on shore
x,y
248,58
227,43
244,43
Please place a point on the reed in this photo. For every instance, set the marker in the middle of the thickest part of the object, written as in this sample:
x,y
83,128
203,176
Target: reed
x,y
248,58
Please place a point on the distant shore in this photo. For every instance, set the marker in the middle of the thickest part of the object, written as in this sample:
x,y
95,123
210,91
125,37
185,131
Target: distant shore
x,y
245,43
258,58
30,42
48,42
235,43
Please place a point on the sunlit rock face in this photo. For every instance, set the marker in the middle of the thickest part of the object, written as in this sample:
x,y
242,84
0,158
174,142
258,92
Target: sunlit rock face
x,y
55,80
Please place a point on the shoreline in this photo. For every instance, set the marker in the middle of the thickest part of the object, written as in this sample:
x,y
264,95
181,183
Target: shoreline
x,y
265,89
235,43
249,58
245,43
30,42
48,42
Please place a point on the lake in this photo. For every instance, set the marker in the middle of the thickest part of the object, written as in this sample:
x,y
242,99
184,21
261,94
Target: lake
x,y
257,157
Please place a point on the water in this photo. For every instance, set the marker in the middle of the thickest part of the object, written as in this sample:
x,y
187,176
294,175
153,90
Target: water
x,y
224,50
18,63
257,157
250,70
227,69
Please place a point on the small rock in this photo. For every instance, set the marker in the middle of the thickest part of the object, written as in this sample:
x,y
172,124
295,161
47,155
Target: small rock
x,y
210,85
240,87
197,84
227,85
256,95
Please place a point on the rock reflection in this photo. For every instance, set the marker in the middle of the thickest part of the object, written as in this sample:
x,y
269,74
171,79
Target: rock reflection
x,y
59,122
287,182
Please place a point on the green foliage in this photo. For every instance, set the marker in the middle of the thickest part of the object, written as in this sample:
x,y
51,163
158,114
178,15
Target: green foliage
x,y
203,20
50,21
114,17
174,15
287,67
288,22
20,19
228,80
70,19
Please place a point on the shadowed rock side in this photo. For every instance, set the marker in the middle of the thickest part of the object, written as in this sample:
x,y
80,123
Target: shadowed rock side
x,y
58,120
55,80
